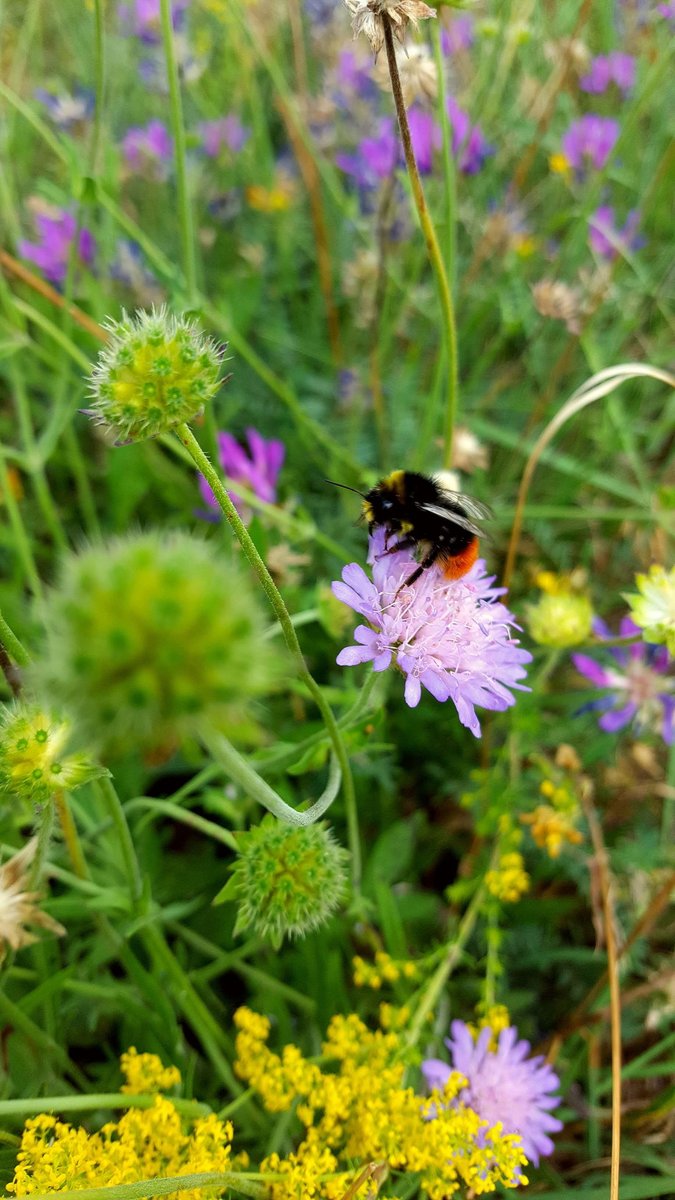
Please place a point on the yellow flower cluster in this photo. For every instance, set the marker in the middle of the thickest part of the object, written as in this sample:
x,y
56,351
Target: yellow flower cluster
x,y
384,969
509,880
143,1144
359,1111
146,1073
551,829
554,823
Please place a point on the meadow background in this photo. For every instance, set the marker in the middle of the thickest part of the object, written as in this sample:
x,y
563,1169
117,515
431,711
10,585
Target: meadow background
x,y
240,164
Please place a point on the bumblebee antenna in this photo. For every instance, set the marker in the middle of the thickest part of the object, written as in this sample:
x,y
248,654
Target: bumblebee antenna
x,y
346,487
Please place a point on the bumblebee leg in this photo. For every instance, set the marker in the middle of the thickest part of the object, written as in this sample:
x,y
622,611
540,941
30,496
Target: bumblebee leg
x,y
405,543
428,561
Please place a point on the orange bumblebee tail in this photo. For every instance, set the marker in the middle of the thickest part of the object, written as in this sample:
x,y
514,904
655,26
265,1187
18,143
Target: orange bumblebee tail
x,y
459,564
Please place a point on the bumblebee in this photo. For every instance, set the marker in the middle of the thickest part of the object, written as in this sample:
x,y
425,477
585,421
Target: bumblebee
x,y
420,511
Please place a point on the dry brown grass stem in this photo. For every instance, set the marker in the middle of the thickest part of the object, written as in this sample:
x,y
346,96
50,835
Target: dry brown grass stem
x,y
11,266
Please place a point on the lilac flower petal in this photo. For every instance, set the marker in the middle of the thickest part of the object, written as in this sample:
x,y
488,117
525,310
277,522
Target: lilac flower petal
x,y
591,669
436,1073
617,718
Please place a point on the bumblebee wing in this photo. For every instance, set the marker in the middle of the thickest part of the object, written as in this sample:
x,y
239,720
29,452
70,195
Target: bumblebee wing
x,y
448,514
474,508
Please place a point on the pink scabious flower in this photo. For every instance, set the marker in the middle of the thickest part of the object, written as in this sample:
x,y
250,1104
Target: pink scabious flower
x,y
452,637
607,239
226,133
148,148
502,1085
611,68
639,684
590,141
56,230
259,470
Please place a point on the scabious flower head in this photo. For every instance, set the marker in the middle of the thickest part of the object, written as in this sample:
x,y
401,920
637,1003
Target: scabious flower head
x,y
453,637
607,239
469,145
611,68
590,141
56,229
227,133
18,907
503,1084
287,880
150,638
148,149
653,609
367,18
34,758
639,684
156,372
258,470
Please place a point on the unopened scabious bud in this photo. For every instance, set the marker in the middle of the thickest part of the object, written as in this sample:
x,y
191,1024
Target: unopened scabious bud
x,y
156,372
151,638
562,619
34,758
287,880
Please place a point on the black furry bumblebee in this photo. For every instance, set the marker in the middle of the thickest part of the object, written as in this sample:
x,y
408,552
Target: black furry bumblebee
x,y
421,511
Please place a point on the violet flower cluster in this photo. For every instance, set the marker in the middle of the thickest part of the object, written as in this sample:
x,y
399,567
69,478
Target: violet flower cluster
x,y
258,470
611,68
57,229
503,1085
607,239
148,149
639,683
452,637
590,141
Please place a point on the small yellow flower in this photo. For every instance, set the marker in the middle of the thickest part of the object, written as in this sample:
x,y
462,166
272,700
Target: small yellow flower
x,y
559,165
551,828
273,199
509,880
146,1073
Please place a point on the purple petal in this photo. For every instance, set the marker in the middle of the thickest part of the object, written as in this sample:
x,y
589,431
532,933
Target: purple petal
x,y
591,670
612,721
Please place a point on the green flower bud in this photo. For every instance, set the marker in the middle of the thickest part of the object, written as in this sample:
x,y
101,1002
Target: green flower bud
x,y
33,759
653,609
156,372
287,879
151,637
562,619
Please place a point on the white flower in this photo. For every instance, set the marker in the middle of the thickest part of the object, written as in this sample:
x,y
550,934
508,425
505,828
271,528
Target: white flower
x,y
367,17
18,907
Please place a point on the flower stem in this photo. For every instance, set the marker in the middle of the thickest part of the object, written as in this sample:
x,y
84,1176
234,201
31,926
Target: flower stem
x,y
12,644
71,836
275,598
217,1181
431,241
445,968
255,786
113,803
45,825
178,131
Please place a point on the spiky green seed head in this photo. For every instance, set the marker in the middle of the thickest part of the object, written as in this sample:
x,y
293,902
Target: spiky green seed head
x,y
287,879
152,637
34,757
156,372
560,619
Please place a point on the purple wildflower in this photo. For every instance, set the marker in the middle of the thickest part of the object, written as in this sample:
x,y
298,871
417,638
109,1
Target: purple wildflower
x,y
225,133
611,68
667,10
56,230
259,471
426,137
590,141
142,19
67,111
638,686
605,237
458,35
503,1085
148,149
353,77
468,142
452,637
375,158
